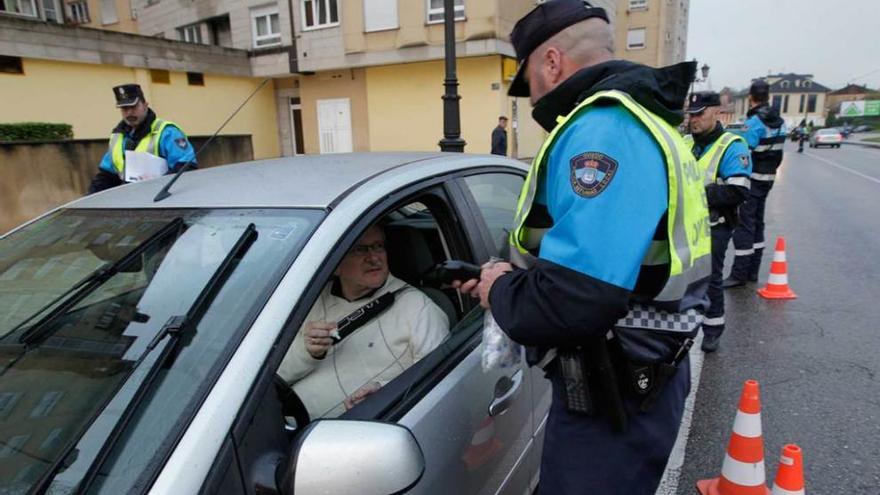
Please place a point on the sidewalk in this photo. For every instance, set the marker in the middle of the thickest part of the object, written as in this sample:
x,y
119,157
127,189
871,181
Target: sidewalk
x,y
860,139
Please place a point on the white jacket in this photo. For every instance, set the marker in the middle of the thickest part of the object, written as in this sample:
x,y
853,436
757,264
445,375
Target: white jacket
x,y
378,351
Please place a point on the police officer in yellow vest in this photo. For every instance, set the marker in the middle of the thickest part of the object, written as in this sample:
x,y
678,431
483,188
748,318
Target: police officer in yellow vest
x,y
610,253
140,131
725,159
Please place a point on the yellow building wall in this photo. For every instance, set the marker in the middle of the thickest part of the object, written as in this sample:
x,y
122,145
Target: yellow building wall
x,y
406,109
88,103
349,84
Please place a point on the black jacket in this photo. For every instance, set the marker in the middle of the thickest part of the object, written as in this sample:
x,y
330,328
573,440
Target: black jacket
x,y
766,162
499,141
551,305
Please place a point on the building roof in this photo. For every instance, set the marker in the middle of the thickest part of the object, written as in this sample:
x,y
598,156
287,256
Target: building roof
x,y
794,83
853,89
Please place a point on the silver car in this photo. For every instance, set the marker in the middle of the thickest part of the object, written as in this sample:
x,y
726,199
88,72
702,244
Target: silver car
x,y
140,339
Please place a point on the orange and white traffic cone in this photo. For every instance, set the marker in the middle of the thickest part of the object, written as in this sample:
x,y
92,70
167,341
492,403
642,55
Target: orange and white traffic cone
x,y
742,472
777,285
790,476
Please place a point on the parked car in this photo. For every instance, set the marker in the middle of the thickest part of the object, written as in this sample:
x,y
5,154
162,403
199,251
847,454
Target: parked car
x,y
141,338
826,137
862,128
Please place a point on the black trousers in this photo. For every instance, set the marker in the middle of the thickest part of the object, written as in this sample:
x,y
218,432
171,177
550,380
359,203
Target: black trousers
x,y
748,238
583,456
713,324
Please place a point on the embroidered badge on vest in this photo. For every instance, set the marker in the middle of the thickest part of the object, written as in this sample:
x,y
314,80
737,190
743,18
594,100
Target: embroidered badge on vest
x,y
181,142
744,159
591,172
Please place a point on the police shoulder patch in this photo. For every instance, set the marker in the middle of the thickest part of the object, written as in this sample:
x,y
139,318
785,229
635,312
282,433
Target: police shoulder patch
x,y
744,160
181,142
591,172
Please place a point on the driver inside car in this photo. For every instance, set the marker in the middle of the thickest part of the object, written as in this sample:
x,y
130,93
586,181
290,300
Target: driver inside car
x,y
329,377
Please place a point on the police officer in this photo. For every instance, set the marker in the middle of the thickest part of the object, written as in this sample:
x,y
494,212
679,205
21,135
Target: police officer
x,y
764,131
607,268
141,131
724,158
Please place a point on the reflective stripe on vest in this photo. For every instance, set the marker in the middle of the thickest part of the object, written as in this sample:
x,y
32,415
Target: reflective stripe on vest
x,y
688,245
710,161
147,144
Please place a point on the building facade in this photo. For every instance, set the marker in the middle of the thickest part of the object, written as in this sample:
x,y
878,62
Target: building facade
x,y
796,96
351,75
850,92
652,32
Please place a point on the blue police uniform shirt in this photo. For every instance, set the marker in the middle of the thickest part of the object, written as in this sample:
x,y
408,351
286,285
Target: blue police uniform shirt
x,y
737,160
604,236
173,147
754,130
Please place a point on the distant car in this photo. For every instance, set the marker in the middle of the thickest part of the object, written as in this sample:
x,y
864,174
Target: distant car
x,y
863,128
826,137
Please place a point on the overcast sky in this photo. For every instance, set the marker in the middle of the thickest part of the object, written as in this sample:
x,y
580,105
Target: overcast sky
x,y
835,40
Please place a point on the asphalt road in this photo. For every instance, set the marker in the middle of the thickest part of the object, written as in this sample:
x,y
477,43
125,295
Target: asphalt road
x,y
817,357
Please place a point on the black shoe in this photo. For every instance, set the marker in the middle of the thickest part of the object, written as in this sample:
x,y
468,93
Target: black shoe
x,y
710,344
731,282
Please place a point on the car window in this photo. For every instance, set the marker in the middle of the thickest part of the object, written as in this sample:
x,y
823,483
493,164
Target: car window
x,y
53,388
496,195
372,320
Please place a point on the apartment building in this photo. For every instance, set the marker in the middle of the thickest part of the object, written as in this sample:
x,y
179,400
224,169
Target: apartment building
x,y
652,32
796,96
366,75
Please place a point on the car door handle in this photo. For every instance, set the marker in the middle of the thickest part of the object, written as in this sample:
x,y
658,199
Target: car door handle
x,y
502,402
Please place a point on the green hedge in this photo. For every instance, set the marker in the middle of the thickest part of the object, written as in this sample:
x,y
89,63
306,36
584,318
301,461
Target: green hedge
x,y
35,131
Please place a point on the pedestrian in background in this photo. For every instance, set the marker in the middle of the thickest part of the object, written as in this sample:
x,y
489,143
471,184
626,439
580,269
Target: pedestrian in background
x,y
499,137
605,300
140,130
764,131
724,159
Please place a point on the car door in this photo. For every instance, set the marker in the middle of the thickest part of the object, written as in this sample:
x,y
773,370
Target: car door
x,y
494,194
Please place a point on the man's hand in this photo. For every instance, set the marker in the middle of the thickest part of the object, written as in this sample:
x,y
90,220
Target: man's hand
x,y
317,338
360,394
481,288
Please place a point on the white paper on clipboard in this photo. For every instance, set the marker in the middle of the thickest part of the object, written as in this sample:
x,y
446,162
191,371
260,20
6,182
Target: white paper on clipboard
x,y
140,166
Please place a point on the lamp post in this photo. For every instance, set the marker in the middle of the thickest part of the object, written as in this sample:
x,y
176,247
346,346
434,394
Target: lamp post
x,y
452,140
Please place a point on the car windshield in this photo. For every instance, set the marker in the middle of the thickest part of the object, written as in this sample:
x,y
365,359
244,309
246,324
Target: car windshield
x,y
829,131
54,387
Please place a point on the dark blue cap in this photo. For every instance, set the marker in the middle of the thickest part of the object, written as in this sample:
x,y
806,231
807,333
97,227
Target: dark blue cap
x,y
128,95
539,25
697,102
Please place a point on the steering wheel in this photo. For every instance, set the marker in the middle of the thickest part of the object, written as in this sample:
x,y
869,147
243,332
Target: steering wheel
x,y
291,404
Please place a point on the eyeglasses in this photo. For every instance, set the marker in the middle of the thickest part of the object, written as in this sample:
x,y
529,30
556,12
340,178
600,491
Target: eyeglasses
x,y
365,249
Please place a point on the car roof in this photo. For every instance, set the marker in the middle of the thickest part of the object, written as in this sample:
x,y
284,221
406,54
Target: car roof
x,y
309,181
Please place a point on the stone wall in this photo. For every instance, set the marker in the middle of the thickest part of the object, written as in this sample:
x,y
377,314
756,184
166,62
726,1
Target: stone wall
x,y
38,177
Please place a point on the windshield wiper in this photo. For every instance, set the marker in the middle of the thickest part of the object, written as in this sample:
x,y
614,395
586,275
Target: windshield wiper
x,y
163,348
86,286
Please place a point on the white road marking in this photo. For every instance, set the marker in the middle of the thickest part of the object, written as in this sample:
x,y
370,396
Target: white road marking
x,y
669,483
833,164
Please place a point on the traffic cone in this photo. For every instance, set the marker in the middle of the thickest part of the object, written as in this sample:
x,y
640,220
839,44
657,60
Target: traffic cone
x,y
777,284
790,476
742,472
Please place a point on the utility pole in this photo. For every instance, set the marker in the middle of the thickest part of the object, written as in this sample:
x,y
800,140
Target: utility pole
x,y
452,140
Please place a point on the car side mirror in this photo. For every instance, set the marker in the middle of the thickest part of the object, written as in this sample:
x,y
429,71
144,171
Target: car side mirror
x,y
353,457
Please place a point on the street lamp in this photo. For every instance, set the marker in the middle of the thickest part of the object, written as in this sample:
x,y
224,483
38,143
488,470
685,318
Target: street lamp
x,y
452,140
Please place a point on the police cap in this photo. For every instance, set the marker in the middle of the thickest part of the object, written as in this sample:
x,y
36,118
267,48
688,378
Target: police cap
x,y
697,102
539,25
760,90
128,95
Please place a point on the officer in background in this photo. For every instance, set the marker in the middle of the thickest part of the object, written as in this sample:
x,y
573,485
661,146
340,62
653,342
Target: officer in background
x,y
610,278
141,131
764,131
724,158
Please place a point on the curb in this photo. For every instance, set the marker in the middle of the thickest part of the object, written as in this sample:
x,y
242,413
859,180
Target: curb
x,y
866,145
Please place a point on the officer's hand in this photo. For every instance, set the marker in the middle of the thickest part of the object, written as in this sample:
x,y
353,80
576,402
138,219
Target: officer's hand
x,y
317,338
488,275
360,394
